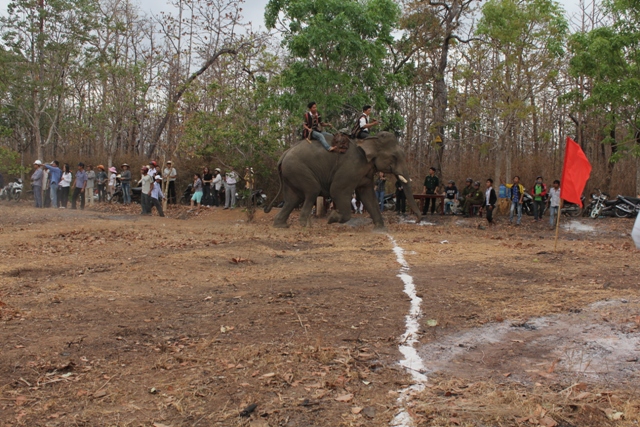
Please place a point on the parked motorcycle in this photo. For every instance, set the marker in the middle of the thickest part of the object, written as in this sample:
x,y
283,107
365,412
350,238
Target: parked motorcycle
x,y
600,205
573,210
12,191
258,198
390,202
627,207
186,195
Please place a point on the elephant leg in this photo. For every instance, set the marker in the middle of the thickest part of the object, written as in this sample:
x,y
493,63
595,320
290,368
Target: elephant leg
x,y
342,203
291,201
368,198
305,212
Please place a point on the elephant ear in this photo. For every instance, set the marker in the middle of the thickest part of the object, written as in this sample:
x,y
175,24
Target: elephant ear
x,y
370,147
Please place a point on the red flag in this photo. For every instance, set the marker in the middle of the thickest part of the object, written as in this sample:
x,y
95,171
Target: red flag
x,y
575,173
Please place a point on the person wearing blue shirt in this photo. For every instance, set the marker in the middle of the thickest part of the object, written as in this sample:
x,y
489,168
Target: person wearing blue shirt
x,y
80,184
54,178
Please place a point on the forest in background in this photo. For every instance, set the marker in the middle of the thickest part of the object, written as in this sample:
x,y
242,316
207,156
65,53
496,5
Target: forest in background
x,y
475,88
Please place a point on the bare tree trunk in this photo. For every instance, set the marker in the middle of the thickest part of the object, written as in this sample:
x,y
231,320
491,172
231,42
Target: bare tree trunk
x,y
178,95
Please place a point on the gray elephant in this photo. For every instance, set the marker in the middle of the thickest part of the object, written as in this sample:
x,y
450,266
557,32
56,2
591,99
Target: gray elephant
x,y
308,171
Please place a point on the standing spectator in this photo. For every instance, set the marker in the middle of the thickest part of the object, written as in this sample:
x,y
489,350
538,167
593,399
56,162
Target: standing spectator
x,y
101,179
125,183
113,173
65,186
91,179
539,193
450,197
79,186
46,194
36,183
230,190
156,195
517,197
490,200
55,174
401,198
381,182
216,184
207,179
431,184
145,195
197,190
171,174
554,202
475,198
152,168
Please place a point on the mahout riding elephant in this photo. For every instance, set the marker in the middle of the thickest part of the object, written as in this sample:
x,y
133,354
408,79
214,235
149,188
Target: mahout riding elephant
x,y
307,171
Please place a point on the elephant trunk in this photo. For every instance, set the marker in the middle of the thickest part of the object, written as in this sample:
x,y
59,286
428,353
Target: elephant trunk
x,y
410,200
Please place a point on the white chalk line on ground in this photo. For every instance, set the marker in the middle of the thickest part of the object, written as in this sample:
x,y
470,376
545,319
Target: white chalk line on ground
x,y
412,361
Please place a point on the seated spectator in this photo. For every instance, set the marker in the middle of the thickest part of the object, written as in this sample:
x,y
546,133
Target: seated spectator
x,y
474,198
450,197
355,203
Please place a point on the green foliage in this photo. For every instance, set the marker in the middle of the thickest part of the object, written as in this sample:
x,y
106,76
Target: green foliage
x,y
10,162
609,59
338,57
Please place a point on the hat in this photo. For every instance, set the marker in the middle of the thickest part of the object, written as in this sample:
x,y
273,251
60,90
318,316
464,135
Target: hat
x,y
112,169
153,162
101,167
476,184
469,180
37,162
158,178
125,164
146,169
168,161
451,181
217,170
81,164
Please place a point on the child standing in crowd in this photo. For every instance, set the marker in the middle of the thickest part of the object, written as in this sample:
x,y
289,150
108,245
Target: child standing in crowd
x,y
112,180
156,195
197,190
491,199
554,202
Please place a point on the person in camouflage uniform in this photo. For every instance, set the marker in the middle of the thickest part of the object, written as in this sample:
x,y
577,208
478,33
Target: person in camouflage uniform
x,y
475,197
431,184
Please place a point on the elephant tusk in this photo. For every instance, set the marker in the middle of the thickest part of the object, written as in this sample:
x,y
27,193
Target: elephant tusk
x,y
402,178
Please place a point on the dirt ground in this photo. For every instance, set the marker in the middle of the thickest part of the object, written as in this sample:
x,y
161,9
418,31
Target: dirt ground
x,y
108,318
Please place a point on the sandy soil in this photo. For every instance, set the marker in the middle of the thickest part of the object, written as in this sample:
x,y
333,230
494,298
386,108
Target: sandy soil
x,y
108,318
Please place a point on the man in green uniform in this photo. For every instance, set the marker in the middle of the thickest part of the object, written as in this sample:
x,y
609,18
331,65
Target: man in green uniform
x,y
476,197
466,191
431,183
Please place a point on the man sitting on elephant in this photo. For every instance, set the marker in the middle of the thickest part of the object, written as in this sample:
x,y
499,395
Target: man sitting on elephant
x,y
313,126
361,128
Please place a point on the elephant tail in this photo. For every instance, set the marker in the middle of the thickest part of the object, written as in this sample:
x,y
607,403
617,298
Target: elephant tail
x,y
268,208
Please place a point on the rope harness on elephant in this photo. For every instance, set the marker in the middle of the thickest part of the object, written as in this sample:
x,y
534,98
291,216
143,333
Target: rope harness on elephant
x,y
341,142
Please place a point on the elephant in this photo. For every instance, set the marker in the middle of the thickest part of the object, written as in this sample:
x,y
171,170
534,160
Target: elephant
x,y
307,171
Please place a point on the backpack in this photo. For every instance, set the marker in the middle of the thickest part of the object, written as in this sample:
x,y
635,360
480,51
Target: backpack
x,y
356,129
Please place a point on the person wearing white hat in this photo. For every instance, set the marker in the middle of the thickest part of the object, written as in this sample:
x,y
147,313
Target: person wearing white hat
x,y
36,182
156,195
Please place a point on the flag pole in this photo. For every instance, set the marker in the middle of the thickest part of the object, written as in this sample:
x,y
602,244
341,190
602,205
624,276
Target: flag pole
x,y
555,245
